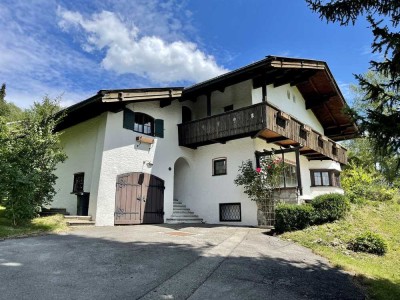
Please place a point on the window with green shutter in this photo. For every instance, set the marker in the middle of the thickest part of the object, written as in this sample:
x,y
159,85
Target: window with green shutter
x,y
143,123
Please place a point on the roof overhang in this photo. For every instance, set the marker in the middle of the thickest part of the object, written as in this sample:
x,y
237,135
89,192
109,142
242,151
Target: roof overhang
x,y
313,79
114,101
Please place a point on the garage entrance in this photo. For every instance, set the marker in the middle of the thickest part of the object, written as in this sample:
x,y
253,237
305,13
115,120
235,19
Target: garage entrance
x,y
139,199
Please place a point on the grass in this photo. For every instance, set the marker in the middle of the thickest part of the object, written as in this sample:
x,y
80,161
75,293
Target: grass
x,y
36,226
379,274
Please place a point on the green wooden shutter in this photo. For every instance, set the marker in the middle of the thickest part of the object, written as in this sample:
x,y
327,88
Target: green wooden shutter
x,y
159,128
129,119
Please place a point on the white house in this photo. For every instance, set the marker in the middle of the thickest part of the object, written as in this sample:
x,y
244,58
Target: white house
x,y
132,152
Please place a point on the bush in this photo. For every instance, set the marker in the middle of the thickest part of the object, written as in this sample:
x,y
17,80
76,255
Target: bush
x,y
329,207
368,242
361,184
290,217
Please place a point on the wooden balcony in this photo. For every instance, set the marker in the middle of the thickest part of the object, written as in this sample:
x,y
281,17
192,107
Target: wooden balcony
x,y
247,121
264,121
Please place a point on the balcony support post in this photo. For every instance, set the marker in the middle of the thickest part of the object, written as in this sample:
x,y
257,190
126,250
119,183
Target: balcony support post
x,y
208,104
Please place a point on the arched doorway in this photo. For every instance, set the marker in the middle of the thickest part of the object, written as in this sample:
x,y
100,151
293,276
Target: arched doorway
x,y
186,114
181,179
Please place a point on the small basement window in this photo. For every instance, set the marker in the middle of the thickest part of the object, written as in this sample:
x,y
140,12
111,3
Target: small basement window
x,y
230,212
219,166
78,183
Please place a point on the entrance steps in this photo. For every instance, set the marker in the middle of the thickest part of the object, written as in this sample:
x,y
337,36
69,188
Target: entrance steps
x,y
53,211
182,214
79,220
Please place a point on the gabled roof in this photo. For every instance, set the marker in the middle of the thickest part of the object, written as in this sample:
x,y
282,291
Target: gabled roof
x,y
114,100
313,79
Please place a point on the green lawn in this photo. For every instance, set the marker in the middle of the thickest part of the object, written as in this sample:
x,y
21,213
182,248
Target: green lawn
x,y
380,274
36,226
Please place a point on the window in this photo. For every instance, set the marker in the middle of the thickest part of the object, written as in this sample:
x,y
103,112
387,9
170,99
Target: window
x,y
143,123
230,212
78,183
325,178
186,114
289,176
219,166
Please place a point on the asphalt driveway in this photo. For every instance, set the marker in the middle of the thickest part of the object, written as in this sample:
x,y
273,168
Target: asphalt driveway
x,y
166,262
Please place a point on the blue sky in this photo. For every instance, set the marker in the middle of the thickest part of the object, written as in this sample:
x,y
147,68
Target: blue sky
x,y
75,48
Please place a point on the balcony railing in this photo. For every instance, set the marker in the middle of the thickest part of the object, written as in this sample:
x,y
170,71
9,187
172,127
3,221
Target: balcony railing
x,y
259,120
230,125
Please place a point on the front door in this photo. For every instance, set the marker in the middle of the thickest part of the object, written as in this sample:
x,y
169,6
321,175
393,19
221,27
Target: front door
x,y
139,199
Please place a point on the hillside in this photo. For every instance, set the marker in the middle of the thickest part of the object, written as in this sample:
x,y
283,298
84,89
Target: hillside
x,y
379,274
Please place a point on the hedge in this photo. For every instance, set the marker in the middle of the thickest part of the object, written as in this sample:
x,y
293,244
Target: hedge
x,y
290,217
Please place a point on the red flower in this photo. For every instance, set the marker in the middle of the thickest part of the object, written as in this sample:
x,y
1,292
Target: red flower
x,y
269,167
258,170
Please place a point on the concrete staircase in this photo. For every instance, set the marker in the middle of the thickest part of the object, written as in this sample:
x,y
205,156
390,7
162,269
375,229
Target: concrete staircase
x,y
182,214
79,220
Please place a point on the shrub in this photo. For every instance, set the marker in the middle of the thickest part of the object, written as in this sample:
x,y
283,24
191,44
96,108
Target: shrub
x,y
368,242
290,217
361,184
330,207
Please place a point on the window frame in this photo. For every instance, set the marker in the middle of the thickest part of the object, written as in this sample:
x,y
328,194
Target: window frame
x,y
214,169
142,117
333,176
76,184
284,185
221,205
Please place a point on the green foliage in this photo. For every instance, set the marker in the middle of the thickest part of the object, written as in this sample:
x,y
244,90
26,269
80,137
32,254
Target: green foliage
x,y
8,111
330,207
379,274
29,153
259,184
289,217
381,120
36,226
368,242
361,184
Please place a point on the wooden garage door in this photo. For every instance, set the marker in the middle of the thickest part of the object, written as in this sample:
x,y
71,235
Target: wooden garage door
x,y
139,199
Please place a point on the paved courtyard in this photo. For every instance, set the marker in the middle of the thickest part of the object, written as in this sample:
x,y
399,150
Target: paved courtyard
x,y
166,262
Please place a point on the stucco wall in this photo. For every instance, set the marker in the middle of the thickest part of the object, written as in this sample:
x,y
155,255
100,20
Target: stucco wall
x,y
294,106
207,191
82,144
122,154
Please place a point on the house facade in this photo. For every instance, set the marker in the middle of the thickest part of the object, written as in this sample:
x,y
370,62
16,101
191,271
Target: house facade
x,y
149,155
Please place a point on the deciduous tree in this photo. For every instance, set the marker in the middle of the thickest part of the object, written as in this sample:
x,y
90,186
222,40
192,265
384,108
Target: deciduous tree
x,y
29,153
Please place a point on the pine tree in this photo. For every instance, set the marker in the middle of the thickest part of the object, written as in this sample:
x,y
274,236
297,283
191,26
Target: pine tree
x,y
381,120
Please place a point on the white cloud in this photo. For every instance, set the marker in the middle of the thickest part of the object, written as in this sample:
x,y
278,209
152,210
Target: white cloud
x,y
149,56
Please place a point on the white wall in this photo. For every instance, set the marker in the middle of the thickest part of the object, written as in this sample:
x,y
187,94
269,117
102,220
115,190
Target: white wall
x,y
80,142
121,154
294,106
207,191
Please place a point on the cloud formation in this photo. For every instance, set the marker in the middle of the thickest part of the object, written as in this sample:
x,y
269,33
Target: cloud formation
x,y
127,51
